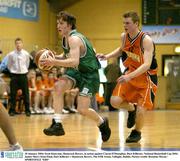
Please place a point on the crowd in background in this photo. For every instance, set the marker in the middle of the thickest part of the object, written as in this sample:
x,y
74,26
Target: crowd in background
x,y
40,86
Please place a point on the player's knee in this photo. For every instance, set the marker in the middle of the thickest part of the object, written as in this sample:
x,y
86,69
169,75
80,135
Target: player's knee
x,y
140,111
115,101
82,111
60,86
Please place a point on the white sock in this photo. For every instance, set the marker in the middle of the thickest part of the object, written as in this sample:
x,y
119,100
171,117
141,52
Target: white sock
x,y
100,121
57,118
16,147
14,144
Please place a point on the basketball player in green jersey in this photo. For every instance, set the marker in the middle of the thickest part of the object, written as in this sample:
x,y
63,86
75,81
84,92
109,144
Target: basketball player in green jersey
x,y
82,72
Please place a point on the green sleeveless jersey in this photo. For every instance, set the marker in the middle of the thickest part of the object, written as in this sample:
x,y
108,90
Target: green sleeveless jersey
x,y
88,62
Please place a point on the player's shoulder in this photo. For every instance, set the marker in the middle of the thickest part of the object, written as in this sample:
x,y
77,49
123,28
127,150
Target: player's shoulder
x,y
74,39
147,37
11,53
25,51
123,34
147,41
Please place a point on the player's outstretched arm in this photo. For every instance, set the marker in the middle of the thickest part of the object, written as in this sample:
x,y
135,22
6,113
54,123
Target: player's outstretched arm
x,y
115,53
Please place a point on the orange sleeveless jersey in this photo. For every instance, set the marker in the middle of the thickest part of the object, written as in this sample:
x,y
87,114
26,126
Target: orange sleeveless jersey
x,y
39,85
48,83
142,89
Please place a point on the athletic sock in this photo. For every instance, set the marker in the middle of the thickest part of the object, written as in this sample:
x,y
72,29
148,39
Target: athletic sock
x,y
100,121
57,118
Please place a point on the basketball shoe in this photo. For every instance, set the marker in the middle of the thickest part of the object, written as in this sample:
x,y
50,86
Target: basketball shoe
x,y
55,129
134,137
105,130
16,147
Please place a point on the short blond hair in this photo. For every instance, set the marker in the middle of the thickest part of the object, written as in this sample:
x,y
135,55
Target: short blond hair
x,y
134,16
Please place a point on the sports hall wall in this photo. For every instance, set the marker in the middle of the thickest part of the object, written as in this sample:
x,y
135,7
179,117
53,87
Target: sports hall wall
x,y
35,34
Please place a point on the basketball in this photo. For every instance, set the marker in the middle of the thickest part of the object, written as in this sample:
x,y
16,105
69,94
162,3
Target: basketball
x,y
43,54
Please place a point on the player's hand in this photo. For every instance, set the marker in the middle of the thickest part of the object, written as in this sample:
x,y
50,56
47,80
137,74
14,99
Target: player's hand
x,y
54,52
124,78
47,61
101,56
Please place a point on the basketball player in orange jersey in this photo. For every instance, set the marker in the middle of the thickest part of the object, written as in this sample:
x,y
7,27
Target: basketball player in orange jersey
x,y
5,125
136,88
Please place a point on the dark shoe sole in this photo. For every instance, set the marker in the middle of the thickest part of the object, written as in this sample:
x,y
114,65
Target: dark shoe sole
x,y
11,115
54,133
28,114
133,140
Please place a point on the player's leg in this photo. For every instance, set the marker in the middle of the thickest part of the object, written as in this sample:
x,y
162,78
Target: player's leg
x,y
145,101
5,124
135,134
83,108
60,87
140,118
118,101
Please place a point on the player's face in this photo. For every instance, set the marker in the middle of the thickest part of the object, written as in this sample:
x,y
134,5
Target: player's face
x,y
62,27
19,45
129,25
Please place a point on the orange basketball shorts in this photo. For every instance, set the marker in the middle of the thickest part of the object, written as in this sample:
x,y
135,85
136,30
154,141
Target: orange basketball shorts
x,y
143,97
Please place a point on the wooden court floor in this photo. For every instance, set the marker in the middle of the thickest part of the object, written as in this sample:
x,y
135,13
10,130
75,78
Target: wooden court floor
x,y
161,132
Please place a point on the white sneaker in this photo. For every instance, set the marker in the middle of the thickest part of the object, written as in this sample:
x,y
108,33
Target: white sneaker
x,y
38,110
51,110
32,110
46,110
16,147
65,111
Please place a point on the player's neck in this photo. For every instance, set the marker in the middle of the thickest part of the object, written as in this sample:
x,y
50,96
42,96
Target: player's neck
x,y
66,33
134,34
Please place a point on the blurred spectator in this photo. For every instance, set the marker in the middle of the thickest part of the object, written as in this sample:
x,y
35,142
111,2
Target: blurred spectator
x,y
18,64
4,92
32,60
112,72
48,86
94,103
3,66
1,55
70,100
39,101
54,71
169,21
32,89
